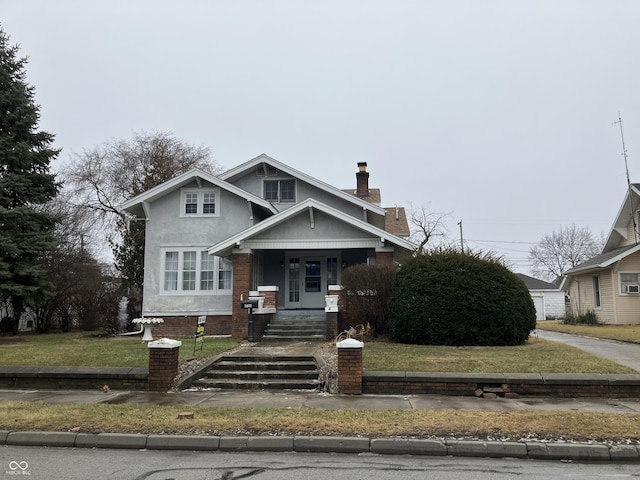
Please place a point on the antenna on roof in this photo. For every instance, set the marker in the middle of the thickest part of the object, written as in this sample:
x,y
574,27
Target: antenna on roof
x,y
626,166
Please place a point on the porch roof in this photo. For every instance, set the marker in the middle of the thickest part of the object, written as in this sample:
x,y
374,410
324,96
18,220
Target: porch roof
x,y
604,260
226,246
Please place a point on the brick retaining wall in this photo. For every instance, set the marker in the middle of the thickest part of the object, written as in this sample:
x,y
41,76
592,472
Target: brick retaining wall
x,y
553,385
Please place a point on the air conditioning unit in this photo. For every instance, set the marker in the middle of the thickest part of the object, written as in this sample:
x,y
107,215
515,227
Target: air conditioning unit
x,y
635,288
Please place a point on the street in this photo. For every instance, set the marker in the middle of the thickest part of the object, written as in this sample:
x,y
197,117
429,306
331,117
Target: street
x,y
86,464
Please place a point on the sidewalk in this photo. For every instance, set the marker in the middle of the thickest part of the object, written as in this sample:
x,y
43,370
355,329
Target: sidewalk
x,y
321,401
314,400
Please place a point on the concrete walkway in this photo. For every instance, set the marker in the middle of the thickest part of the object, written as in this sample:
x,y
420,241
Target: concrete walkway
x,y
627,354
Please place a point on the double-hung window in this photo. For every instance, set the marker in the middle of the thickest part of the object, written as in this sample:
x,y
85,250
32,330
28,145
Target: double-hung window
x,y
280,191
194,271
629,283
199,202
596,292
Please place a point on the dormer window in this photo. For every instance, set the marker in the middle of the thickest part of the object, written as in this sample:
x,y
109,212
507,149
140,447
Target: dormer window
x,y
280,191
199,202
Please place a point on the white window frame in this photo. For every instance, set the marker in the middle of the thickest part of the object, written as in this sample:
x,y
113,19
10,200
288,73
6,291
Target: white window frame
x,y
624,285
198,290
597,298
279,182
200,193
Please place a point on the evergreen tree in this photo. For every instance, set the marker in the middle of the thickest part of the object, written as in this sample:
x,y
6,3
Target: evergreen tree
x,y
26,230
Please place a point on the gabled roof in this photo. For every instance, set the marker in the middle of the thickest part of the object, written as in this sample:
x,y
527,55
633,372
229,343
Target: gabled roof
x,y
136,204
618,231
396,221
374,195
306,205
229,175
604,260
536,284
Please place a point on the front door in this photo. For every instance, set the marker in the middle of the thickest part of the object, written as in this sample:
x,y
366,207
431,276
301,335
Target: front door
x,y
307,278
312,289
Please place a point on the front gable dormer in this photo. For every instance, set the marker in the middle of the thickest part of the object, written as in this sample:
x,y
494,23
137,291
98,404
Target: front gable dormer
x,y
625,229
283,187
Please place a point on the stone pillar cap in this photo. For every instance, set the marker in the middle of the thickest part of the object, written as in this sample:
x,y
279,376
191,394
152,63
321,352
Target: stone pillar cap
x,y
165,343
350,343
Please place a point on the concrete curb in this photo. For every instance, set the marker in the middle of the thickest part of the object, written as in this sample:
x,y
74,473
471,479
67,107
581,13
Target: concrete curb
x,y
386,446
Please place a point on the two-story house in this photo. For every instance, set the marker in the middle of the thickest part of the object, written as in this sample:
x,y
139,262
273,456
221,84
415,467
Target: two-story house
x,y
609,284
262,226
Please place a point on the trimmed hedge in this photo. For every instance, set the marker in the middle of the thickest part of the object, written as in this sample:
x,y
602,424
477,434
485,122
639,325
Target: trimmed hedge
x,y
454,298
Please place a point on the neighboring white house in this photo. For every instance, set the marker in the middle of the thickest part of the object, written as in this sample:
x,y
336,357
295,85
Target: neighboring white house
x,y
549,299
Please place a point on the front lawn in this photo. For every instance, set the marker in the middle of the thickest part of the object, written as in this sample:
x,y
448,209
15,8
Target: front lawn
x,y
91,349
535,356
624,333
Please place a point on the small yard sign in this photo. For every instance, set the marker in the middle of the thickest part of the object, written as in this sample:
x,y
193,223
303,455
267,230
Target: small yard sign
x,y
199,334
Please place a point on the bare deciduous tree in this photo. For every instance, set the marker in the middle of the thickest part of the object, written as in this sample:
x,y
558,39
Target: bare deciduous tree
x,y
101,179
426,225
562,250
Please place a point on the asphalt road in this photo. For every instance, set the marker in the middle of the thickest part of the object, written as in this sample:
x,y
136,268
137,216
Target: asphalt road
x,y
84,463
627,354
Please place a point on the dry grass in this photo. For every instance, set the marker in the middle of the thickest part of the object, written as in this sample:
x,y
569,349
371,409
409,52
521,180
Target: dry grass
x,y
624,333
90,349
536,356
20,416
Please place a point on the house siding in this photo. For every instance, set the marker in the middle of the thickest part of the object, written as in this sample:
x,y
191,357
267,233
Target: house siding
x,y
253,183
582,296
628,306
631,236
553,304
166,229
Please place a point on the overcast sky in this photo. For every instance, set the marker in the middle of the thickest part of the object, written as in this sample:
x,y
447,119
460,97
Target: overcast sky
x,y
500,113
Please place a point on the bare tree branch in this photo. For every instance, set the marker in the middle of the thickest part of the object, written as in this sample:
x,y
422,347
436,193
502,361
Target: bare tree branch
x,y
426,224
562,250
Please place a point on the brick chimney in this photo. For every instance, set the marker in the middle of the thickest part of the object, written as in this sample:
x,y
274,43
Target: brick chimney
x,y
362,180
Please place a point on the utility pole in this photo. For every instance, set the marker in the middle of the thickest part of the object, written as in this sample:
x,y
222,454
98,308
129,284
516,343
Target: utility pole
x,y
461,240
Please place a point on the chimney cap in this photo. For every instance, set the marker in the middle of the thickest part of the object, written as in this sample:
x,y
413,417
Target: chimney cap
x,y
362,166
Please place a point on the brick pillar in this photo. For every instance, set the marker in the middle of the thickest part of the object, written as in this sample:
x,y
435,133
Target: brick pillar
x,y
270,294
242,278
384,258
163,363
350,366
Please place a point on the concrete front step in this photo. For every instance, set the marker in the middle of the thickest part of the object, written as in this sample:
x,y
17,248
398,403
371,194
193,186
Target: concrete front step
x,y
261,372
288,384
296,326
267,376
292,338
267,366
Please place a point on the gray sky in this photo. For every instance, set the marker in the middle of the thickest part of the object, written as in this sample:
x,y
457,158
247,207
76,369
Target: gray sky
x,y
499,112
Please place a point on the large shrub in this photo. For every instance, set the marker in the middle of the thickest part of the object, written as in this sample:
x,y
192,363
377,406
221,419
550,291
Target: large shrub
x,y
454,298
368,288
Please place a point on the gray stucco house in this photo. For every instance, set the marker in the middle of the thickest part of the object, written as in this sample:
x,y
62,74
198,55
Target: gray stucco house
x,y
260,229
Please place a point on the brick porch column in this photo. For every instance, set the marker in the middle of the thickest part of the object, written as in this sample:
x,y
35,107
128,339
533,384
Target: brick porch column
x,y
384,257
350,366
242,279
163,363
